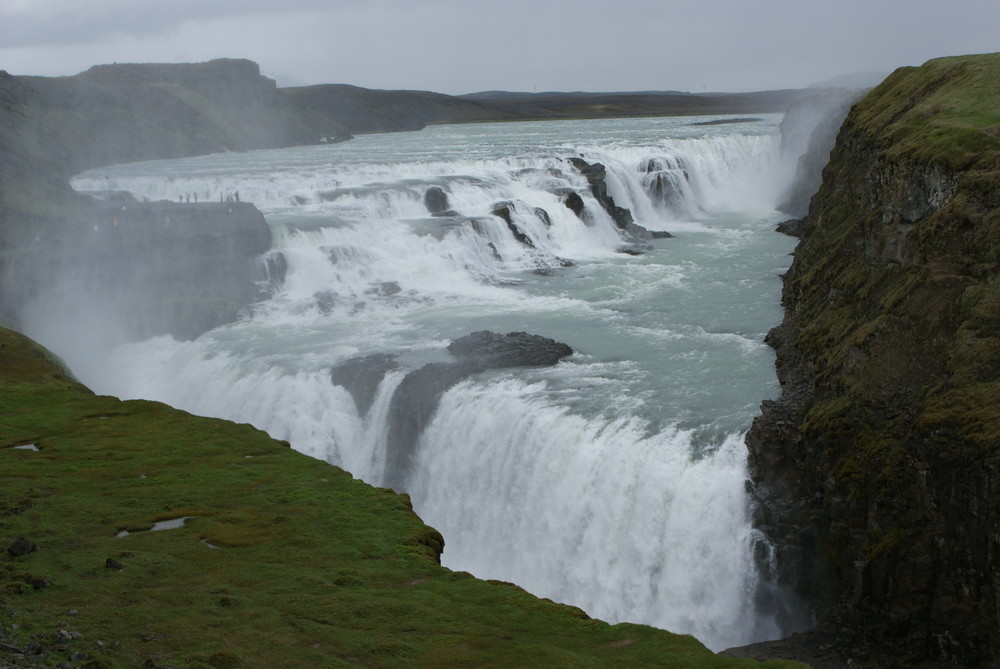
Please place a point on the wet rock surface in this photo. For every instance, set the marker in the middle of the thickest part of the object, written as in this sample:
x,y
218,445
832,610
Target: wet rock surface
x,y
362,377
596,176
436,200
417,397
151,267
514,349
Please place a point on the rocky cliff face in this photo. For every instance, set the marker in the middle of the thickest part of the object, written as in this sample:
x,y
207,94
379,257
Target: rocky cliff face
x,y
141,268
877,472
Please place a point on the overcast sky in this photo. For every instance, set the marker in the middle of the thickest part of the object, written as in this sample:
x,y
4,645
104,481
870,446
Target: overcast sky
x,y
462,46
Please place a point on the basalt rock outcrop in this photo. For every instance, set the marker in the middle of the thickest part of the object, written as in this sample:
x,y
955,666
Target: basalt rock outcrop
x,y
877,472
146,268
596,175
419,393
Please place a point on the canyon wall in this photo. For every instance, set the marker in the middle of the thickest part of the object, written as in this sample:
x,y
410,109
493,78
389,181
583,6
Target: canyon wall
x,y
877,472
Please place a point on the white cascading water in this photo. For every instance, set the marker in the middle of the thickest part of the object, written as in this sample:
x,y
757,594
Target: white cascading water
x,y
613,481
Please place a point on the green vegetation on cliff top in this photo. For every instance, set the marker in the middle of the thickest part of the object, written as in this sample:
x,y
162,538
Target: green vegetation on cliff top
x,y
942,112
282,561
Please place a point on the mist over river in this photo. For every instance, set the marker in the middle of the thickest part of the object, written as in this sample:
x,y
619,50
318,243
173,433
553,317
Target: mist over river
x,y
614,480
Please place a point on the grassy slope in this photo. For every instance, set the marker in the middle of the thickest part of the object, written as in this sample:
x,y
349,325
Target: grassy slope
x,y
306,567
943,112
943,115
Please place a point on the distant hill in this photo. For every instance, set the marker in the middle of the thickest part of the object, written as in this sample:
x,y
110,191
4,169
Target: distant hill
x,y
523,95
53,127
556,105
127,112
349,109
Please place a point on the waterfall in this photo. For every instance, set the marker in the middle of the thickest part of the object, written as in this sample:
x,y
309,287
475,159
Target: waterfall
x,y
654,536
612,480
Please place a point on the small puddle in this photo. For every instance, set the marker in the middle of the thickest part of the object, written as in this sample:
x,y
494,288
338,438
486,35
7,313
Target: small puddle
x,y
26,447
171,524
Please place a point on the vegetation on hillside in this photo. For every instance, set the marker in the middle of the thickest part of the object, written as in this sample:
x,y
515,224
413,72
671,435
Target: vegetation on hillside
x,y
944,112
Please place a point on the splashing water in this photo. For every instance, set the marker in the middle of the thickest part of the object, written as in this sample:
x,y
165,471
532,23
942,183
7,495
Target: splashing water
x,y
613,481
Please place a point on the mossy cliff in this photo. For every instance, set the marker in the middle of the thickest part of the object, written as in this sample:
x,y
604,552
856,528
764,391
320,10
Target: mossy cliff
x,y
273,559
878,470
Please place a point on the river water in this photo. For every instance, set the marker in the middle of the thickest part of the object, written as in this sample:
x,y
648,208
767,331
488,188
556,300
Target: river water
x,y
614,480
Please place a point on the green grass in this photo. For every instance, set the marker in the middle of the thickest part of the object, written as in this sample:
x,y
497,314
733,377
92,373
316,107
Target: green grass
x,y
284,561
942,112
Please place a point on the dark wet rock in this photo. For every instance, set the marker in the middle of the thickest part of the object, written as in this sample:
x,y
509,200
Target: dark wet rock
x,y
418,395
791,227
503,210
21,546
362,377
815,648
514,349
875,476
549,271
574,203
384,289
436,200
596,175
112,563
543,216
275,267
633,249
152,268
666,184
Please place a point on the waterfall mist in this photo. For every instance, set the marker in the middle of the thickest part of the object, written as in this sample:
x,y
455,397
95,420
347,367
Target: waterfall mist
x,y
612,480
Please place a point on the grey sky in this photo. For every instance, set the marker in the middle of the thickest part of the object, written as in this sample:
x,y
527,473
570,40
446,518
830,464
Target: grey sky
x,y
461,46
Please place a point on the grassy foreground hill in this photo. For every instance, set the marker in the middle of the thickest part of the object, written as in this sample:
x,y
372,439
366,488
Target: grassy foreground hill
x,y
275,559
